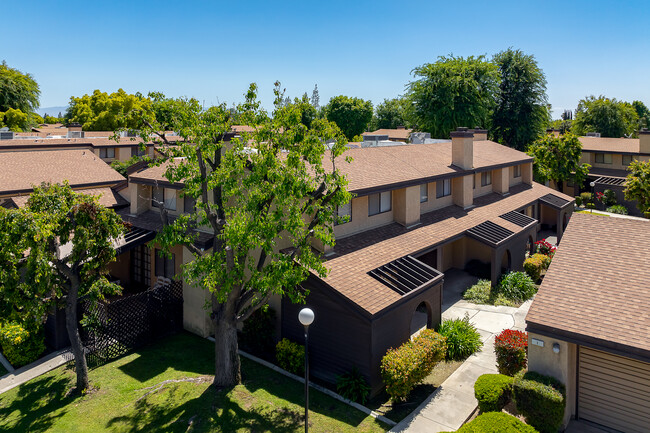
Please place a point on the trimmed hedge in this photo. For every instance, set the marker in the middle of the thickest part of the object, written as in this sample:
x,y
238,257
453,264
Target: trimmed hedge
x,y
541,399
411,363
511,349
496,422
19,345
291,356
533,266
493,392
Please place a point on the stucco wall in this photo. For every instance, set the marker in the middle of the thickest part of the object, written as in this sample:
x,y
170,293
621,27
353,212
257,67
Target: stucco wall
x,y
434,203
196,317
562,366
360,220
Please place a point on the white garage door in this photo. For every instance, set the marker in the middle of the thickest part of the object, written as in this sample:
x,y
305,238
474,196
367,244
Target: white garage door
x,y
614,391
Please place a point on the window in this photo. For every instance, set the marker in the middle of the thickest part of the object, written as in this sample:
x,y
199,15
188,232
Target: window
x,y
603,158
141,265
189,203
517,171
443,188
627,159
165,265
474,181
379,203
107,152
164,195
344,213
486,178
137,151
424,192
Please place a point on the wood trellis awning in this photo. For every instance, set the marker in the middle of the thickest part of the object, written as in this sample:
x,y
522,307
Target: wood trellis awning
x,y
518,218
614,181
490,233
406,275
136,236
554,201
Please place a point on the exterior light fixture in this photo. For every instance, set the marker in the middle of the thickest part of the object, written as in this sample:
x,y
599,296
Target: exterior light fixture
x,y
556,347
306,318
592,184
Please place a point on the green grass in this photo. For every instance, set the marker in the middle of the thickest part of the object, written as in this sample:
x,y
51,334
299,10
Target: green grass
x,y
265,401
591,213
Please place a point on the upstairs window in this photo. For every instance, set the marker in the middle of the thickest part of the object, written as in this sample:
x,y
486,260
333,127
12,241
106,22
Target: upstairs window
x,y
189,203
603,158
517,171
344,213
137,151
107,152
164,195
627,159
424,193
486,178
379,203
443,188
165,266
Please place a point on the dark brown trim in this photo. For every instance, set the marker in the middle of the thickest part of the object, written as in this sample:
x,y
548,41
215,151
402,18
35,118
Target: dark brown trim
x,y
64,146
591,342
614,152
151,182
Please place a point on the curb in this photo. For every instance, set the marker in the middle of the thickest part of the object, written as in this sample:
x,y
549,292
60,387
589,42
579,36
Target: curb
x,y
317,388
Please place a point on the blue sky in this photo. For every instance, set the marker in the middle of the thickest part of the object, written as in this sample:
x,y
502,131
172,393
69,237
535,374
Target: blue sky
x,y
212,50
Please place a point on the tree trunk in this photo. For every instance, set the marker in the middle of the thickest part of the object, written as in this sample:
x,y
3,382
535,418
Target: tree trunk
x,y
75,339
226,356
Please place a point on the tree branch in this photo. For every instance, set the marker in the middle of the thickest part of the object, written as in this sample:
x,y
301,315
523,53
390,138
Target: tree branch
x,y
164,139
242,316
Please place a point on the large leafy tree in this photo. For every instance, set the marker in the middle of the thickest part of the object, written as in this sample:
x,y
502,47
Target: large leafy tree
x,y
108,112
521,113
264,195
352,115
17,90
637,186
391,113
558,159
56,248
609,117
453,92
643,113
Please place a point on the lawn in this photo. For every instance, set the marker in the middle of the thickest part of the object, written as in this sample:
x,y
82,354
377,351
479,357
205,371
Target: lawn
x,y
128,397
591,213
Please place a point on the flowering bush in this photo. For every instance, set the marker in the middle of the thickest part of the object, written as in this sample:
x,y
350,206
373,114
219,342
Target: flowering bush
x,y
599,196
291,356
511,349
19,345
411,363
545,248
609,198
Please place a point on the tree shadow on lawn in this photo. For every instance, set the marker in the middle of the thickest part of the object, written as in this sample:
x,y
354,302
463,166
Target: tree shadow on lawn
x,y
38,403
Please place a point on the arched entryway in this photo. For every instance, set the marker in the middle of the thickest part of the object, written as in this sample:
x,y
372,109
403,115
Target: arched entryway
x,y
506,262
421,319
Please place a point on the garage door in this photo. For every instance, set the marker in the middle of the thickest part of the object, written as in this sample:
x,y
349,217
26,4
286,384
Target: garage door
x,y
614,391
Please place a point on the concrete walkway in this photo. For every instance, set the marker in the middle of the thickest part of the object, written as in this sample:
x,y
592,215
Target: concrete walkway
x,y
453,402
35,369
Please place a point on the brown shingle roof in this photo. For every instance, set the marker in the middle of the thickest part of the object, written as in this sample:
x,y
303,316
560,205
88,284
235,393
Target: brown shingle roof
x,y
152,174
19,171
606,144
398,134
596,289
358,254
62,142
107,197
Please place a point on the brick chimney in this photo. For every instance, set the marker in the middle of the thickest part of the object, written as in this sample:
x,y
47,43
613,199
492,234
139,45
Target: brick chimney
x,y
74,126
644,141
462,148
479,134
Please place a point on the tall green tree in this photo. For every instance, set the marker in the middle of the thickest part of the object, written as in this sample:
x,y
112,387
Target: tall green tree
x,y
521,113
390,114
609,117
265,196
56,249
637,186
453,92
17,90
643,113
352,115
558,159
108,112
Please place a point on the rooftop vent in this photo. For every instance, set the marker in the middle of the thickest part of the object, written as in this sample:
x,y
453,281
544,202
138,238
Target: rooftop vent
x,y
75,134
6,134
420,137
593,134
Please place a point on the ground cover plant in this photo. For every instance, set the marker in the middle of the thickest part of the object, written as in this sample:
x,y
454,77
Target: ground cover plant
x,y
512,290
166,387
617,208
353,386
463,340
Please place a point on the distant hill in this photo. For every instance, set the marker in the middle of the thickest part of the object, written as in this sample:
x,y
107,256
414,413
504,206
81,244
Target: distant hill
x,y
52,111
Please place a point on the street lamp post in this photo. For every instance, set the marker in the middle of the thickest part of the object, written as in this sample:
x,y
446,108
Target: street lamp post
x,y
306,317
593,196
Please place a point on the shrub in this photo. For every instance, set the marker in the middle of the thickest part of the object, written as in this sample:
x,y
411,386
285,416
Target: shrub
x,y
291,356
517,286
353,386
258,331
492,392
609,197
533,266
411,363
511,349
462,338
586,198
479,293
20,345
578,201
540,399
617,208
545,248
496,422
